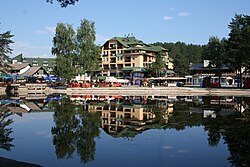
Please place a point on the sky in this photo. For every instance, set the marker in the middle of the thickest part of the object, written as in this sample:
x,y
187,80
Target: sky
x,y
33,22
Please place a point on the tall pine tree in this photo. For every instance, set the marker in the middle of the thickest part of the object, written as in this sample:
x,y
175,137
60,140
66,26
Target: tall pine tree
x,y
238,45
5,41
159,65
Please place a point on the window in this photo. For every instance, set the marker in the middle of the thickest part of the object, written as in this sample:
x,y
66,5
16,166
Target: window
x,y
45,64
112,45
119,58
105,53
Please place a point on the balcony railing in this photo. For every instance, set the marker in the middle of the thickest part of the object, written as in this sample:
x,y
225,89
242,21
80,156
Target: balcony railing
x,y
127,60
112,61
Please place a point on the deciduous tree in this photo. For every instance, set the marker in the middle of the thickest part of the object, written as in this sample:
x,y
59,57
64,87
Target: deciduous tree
x,y
64,49
64,3
87,52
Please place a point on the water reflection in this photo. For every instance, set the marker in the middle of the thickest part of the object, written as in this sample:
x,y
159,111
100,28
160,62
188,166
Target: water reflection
x,y
5,131
75,130
77,120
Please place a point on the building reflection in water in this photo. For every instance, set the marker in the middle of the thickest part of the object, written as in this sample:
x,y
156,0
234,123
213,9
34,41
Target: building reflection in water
x,y
224,118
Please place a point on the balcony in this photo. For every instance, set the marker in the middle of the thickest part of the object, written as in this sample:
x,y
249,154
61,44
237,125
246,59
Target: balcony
x,y
120,66
127,60
112,48
113,60
106,68
113,67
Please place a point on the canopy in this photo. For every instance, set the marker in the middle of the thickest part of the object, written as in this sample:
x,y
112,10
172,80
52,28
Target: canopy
x,y
51,78
113,79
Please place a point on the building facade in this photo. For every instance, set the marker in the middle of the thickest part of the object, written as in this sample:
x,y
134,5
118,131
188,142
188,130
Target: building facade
x,y
26,70
123,54
46,63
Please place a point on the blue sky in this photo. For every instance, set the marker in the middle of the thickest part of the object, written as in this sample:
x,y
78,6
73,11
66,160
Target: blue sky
x,y
33,22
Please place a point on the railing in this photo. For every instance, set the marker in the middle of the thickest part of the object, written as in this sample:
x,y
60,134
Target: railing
x,y
127,60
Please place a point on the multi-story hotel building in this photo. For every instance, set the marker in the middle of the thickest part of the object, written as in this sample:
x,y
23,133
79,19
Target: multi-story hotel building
x,y
123,54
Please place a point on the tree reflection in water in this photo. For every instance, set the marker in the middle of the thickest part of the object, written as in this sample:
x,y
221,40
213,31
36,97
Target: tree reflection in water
x,y
235,132
75,130
5,139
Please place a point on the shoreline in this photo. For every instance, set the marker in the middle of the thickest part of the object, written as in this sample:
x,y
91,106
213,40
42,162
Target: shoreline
x,y
144,91
156,91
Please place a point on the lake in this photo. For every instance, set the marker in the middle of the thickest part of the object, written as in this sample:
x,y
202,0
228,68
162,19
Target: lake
x,y
90,130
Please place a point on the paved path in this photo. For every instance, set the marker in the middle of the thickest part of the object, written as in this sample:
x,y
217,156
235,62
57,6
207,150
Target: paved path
x,y
157,91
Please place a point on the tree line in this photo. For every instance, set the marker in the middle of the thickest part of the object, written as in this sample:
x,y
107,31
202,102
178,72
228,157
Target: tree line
x,y
234,51
182,55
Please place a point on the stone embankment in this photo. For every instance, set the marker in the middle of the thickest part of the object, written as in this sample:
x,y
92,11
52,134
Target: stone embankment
x,y
142,91
157,91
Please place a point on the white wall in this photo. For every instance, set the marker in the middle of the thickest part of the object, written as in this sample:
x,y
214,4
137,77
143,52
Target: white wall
x,y
24,70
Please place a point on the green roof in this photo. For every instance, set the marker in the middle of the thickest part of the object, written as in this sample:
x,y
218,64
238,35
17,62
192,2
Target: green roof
x,y
127,69
134,69
127,41
155,48
148,48
119,55
43,62
102,77
19,58
130,44
40,62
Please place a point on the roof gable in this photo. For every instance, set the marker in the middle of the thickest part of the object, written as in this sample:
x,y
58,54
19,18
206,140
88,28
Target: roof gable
x,y
18,66
19,58
126,41
32,70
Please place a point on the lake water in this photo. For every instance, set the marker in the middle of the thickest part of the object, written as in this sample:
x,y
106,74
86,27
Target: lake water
x,y
125,131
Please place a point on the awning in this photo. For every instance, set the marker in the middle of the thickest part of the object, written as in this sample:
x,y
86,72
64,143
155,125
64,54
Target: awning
x,y
127,69
102,77
134,69
20,77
